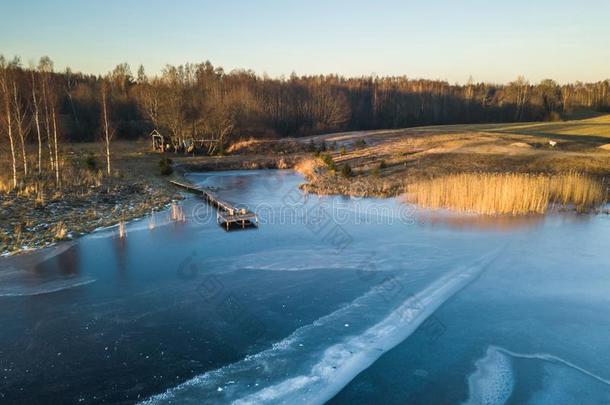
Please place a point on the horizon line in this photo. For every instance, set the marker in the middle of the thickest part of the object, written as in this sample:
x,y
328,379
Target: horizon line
x,y
31,63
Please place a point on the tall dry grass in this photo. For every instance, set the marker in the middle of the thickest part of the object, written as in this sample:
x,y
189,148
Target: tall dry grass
x,y
242,144
308,167
73,179
508,193
5,185
60,231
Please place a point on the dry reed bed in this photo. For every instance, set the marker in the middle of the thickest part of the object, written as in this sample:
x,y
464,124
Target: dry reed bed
x,y
508,193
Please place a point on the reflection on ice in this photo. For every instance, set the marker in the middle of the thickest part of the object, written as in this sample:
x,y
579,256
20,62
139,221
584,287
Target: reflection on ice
x,y
503,223
43,272
18,289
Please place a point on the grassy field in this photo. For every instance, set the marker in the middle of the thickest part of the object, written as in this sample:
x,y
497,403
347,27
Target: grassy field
x,y
386,162
596,127
520,147
594,130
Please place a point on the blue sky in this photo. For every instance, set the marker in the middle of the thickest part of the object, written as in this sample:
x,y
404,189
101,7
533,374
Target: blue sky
x,y
436,39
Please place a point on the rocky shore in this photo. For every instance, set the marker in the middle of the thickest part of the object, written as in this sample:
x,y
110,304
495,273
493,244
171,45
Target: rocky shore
x,y
26,225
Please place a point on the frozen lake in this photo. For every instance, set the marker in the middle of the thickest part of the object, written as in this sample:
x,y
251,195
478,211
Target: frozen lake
x,y
333,299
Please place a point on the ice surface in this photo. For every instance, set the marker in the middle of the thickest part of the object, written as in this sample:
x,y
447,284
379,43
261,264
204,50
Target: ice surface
x,y
329,367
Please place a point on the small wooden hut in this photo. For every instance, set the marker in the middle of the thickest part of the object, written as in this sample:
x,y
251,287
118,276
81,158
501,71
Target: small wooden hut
x,y
158,141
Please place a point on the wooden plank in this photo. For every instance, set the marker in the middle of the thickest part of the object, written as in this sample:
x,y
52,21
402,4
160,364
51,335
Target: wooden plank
x,y
236,218
187,187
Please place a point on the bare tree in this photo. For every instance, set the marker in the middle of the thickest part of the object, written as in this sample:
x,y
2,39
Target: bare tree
x,y
69,89
4,85
550,93
519,92
194,104
567,92
20,114
36,114
107,131
45,66
219,127
50,99
149,95
56,144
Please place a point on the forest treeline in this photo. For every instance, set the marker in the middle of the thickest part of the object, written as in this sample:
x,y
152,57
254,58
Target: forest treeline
x,y
44,107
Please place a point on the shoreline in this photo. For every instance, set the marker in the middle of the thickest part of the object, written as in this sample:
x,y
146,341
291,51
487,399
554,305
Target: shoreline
x,y
343,187
43,232
153,194
361,187
379,164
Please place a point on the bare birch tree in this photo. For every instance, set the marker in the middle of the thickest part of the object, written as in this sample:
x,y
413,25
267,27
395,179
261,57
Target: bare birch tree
x,y
107,131
5,87
56,143
45,66
20,114
36,113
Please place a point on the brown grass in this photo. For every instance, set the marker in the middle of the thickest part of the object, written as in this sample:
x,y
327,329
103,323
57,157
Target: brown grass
x,y
418,154
521,145
308,167
5,185
242,145
87,199
508,193
60,231
73,179
265,146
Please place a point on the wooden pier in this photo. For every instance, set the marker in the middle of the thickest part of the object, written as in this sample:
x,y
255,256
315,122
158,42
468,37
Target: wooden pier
x,y
227,213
